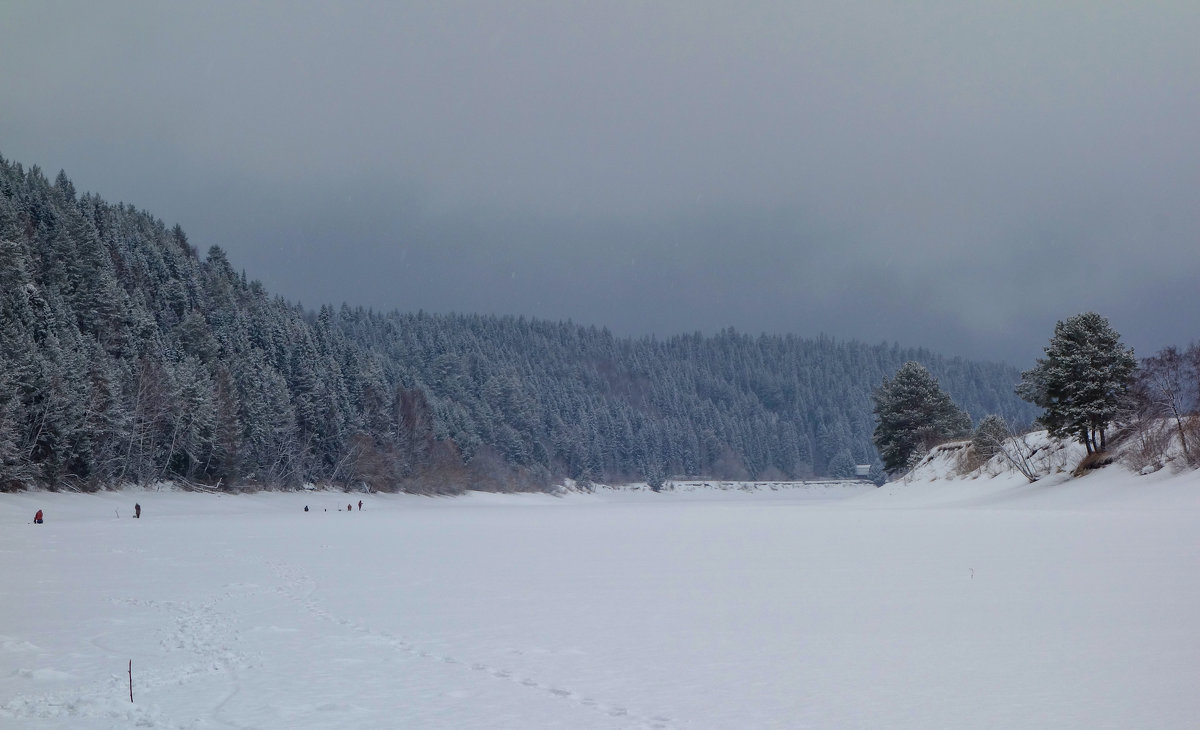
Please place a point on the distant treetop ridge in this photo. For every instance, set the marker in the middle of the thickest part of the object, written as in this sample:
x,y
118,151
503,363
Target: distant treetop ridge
x,y
125,357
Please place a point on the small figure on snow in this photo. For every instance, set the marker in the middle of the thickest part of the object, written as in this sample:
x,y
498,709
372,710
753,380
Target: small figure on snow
x,y
349,508
137,510
37,519
360,505
306,508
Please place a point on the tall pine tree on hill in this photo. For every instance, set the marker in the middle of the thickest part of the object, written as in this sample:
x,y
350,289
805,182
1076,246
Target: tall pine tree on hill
x,y
1081,381
914,414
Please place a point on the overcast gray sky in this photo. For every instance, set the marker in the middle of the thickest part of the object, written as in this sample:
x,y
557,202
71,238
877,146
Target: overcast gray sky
x,y
953,175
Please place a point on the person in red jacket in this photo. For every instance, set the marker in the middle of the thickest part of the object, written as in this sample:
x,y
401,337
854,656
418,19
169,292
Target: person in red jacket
x,y
37,519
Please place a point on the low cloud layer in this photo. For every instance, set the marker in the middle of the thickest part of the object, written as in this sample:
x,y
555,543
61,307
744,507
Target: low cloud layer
x,y
954,177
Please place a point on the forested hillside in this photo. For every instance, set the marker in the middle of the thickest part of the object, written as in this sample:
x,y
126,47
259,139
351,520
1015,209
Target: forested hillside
x,y
125,356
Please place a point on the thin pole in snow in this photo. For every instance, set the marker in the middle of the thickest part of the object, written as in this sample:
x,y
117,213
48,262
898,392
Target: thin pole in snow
x,y
131,680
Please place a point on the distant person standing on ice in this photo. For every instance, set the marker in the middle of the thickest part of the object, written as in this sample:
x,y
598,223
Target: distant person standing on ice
x,y
137,510
360,505
37,519
349,508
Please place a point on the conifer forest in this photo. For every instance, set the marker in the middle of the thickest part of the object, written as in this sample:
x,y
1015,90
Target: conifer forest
x,y
127,356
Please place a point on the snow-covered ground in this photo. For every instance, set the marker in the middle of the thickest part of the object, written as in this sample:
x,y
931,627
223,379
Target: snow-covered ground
x,y
937,603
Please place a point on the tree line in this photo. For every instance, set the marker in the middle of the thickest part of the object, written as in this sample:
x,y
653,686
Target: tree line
x,y
126,356
1087,381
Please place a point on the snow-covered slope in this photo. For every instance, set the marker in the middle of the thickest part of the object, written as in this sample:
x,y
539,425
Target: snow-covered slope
x,y
939,602
948,475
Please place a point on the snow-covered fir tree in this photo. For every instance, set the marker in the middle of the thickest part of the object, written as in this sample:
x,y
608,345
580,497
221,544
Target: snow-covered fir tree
x,y
1081,382
914,414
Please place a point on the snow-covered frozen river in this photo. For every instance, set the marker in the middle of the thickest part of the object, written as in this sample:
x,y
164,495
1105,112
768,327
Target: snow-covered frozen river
x,y
891,608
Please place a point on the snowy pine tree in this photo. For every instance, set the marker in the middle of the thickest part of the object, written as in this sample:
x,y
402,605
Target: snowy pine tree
x,y
1082,380
914,414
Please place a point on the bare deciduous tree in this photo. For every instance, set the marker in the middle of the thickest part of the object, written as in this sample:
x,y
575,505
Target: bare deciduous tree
x,y
995,436
1167,386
